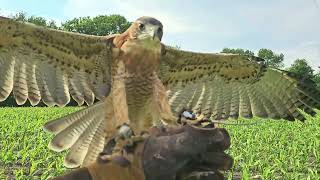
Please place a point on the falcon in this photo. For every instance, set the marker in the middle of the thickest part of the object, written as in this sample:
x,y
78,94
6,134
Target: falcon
x,y
138,82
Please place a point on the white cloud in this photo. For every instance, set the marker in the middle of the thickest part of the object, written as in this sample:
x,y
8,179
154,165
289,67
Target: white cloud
x,y
285,20
131,10
6,13
308,50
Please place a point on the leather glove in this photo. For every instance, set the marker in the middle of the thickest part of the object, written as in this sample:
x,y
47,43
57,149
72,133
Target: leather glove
x,y
180,153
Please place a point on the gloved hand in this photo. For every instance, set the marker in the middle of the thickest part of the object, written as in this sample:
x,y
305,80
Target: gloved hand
x,y
181,153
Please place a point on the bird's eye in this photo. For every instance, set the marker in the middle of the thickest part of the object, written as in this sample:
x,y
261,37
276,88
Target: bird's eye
x,y
141,26
160,30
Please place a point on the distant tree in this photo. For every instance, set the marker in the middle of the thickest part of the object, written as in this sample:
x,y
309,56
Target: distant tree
x,y
21,16
302,68
316,79
238,51
52,24
272,59
100,25
40,21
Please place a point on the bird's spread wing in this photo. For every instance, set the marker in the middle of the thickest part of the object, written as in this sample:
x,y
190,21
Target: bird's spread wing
x,y
225,85
40,63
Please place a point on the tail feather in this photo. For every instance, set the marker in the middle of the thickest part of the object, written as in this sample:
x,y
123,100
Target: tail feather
x,y
82,132
80,148
67,137
57,125
96,145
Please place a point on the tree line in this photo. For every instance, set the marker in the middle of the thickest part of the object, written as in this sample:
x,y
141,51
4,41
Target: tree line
x,y
300,66
110,24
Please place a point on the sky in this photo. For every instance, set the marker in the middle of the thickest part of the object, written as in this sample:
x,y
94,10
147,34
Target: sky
x,y
291,27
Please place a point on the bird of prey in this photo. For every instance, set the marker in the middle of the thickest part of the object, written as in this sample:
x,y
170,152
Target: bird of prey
x,y
138,82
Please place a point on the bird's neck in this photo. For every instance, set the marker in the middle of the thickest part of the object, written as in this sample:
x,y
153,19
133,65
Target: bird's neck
x,y
141,56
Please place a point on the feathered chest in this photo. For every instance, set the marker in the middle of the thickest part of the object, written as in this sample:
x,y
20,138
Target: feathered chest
x,y
139,88
141,56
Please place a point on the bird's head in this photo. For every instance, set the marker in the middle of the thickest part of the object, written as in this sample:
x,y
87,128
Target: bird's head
x,y
141,45
147,27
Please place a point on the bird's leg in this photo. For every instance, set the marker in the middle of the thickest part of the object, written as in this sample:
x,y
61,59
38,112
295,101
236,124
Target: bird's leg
x,y
119,102
119,113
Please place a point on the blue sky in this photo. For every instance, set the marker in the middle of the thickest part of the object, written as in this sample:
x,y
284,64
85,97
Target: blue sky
x,y
291,27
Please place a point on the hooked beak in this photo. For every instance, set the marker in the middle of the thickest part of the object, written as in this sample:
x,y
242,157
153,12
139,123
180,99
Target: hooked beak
x,y
154,33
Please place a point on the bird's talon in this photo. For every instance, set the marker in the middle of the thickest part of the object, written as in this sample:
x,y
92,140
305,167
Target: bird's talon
x,y
124,132
129,142
142,133
135,139
116,157
139,138
187,117
104,158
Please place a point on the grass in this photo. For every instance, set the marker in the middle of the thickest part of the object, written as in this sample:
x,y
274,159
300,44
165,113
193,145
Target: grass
x,y
276,150
267,150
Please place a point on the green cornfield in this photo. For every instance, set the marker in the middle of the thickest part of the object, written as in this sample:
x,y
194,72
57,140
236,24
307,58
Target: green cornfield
x,y
267,149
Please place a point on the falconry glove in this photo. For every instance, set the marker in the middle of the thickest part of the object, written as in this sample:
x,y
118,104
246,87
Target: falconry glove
x,y
180,153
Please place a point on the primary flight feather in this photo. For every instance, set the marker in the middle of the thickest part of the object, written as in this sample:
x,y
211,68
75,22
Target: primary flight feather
x,y
139,82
